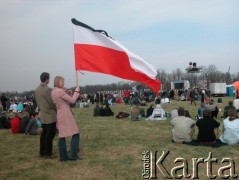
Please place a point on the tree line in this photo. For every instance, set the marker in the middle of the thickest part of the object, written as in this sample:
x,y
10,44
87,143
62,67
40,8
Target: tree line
x,y
209,75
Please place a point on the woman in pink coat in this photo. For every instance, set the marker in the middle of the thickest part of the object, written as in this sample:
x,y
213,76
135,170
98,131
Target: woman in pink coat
x,y
65,121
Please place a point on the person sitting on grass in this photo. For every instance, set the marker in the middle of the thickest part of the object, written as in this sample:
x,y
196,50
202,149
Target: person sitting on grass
x,y
34,127
158,114
135,113
149,110
213,108
15,123
183,127
227,108
230,133
236,103
207,128
141,112
108,111
96,110
4,120
20,106
24,120
13,106
102,110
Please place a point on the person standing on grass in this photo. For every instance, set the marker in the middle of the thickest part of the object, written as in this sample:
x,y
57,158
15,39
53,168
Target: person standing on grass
x,y
66,123
200,111
4,100
47,111
192,96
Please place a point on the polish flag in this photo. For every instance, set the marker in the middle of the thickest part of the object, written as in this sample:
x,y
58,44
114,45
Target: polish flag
x,y
95,51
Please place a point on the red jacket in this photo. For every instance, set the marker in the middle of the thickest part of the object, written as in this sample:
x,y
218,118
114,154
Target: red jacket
x,y
15,125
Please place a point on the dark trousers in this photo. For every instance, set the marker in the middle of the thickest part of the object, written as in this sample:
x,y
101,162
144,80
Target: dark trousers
x,y
4,105
74,148
193,101
46,139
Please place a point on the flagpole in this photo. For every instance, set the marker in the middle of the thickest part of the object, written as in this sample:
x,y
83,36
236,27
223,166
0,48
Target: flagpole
x,y
77,84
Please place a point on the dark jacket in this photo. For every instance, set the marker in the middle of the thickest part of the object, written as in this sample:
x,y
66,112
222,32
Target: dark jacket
x,y
206,128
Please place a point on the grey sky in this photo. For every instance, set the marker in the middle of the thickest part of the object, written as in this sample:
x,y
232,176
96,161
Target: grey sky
x,y
37,36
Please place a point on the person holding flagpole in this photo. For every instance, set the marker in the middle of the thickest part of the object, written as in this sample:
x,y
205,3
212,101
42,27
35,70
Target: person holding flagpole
x,y
65,123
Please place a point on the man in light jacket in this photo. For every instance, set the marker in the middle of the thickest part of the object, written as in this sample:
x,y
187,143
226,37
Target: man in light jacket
x,y
183,127
47,110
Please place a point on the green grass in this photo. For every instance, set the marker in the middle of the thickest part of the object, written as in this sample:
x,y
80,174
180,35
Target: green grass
x,y
111,148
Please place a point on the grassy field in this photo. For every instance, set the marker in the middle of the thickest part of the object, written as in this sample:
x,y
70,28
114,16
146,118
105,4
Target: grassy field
x,y
111,149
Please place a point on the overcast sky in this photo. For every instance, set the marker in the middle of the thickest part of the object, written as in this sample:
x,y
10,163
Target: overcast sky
x,y
37,36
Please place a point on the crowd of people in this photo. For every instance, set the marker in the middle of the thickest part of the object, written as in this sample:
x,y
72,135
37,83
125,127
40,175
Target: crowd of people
x,y
21,122
208,127
49,112
183,125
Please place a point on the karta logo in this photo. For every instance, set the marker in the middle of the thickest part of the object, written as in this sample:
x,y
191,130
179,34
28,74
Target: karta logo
x,y
153,167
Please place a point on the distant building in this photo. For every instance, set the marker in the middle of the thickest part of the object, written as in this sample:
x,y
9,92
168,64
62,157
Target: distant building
x,y
180,84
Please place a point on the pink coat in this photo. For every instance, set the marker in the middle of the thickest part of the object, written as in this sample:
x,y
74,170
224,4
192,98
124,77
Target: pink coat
x,y
65,122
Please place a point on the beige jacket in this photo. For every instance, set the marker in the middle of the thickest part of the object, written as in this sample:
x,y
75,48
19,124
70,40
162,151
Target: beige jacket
x,y
183,128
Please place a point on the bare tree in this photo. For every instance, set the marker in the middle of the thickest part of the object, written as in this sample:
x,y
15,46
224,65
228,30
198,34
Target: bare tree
x,y
235,77
174,75
192,78
212,73
178,74
162,76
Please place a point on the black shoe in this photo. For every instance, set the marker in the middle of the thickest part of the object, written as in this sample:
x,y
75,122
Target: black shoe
x,y
75,159
41,155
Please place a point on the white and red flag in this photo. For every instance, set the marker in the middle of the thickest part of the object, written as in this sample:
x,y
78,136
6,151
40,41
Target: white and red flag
x,y
95,51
